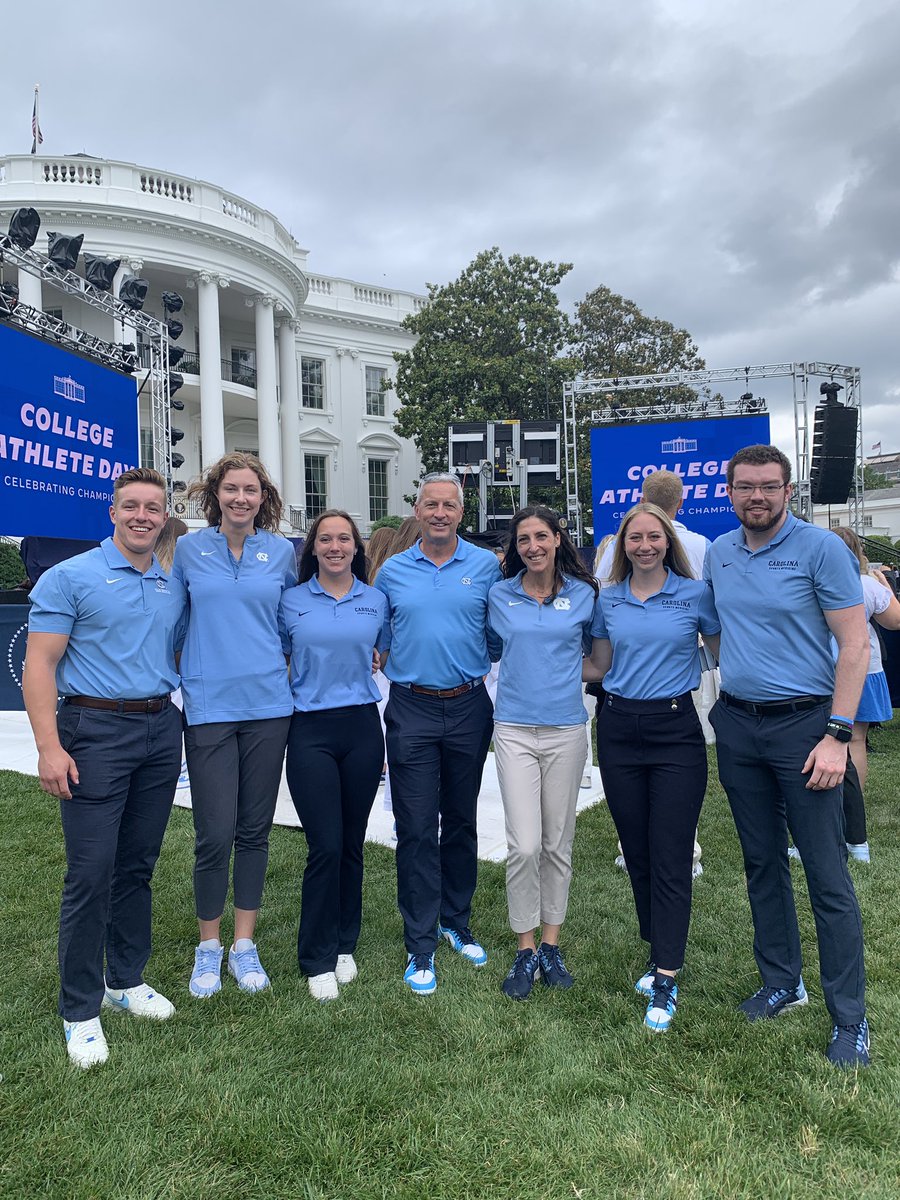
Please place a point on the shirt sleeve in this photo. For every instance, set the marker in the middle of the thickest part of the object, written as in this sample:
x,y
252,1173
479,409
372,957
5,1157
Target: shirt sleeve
x,y
881,597
598,624
283,629
836,576
708,617
384,634
54,608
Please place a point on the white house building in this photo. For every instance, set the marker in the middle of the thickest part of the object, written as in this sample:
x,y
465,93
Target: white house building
x,y
279,361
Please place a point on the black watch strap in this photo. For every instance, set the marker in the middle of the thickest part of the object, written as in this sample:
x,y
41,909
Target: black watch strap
x,y
838,730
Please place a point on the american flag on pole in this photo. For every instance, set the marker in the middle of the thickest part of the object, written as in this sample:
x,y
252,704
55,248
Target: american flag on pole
x,y
876,449
37,136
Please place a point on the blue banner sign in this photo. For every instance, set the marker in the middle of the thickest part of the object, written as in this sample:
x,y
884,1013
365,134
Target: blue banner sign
x,y
68,429
622,456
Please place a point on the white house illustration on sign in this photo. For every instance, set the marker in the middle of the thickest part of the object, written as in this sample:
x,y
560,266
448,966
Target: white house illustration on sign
x,y
65,386
678,445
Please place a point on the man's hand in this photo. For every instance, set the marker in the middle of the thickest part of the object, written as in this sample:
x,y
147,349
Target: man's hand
x,y
827,763
56,769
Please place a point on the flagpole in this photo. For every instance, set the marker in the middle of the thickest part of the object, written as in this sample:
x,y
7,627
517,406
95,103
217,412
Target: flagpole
x,y
36,135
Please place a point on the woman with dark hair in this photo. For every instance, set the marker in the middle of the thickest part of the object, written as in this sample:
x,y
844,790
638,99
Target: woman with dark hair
x,y
331,623
237,703
542,610
649,740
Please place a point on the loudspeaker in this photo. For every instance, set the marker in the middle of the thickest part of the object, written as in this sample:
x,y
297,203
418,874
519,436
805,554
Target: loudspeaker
x,y
833,453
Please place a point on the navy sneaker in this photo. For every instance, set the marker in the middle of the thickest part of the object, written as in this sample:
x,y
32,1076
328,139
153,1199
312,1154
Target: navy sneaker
x,y
419,974
554,972
849,1046
661,1006
464,943
520,980
772,1002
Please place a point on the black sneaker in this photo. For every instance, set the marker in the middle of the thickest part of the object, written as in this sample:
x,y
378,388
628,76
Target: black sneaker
x,y
772,1002
554,972
849,1046
520,980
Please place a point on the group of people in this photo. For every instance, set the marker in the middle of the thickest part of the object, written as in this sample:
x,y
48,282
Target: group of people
x,y
273,657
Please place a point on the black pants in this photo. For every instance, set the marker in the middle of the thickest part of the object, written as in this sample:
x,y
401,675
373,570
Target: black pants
x,y
760,765
436,751
653,765
128,765
334,761
854,807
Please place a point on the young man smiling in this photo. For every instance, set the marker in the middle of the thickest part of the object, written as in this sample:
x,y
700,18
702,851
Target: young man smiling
x,y
103,631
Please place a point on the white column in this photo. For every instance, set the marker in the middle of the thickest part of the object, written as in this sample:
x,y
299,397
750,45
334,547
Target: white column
x,y
290,413
266,393
30,291
212,408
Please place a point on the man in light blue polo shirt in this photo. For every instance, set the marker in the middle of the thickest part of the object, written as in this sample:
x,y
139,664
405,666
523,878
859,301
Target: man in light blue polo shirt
x,y
103,630
439,722
782,588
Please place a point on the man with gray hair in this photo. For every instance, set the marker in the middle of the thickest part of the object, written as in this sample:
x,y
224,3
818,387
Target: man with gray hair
x,y
439,721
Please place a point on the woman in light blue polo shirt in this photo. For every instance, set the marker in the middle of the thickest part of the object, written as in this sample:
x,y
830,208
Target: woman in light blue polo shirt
x,y
331,624
649,741
542,610
237,703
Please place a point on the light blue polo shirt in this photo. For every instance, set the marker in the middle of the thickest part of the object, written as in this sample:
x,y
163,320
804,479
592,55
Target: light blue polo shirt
x,y
330,643
543,645
438,616
232,665
775,641
654,642
123,627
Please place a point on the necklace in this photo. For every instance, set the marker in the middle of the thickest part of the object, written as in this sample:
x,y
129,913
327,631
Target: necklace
x,y
337,595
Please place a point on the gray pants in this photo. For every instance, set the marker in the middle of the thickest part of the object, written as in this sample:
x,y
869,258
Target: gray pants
x,y
235,769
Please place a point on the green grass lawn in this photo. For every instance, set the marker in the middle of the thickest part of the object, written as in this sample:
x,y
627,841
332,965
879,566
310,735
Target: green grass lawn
x,y
461,1094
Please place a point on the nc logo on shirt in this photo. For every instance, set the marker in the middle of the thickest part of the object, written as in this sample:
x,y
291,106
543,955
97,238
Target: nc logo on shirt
x,y
561,603
466,581
262,556
161,585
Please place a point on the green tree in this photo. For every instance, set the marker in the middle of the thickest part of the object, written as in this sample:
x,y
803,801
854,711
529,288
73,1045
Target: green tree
x,y
873,480
488,348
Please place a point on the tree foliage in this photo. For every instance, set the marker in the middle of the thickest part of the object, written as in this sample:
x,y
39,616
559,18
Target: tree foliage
x,y
872,479
488,348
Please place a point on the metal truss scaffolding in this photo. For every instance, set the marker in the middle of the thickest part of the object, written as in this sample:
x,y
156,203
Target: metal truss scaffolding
x,y
154,330
601,393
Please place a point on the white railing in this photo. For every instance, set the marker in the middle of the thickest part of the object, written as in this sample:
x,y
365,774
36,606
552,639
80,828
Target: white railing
x,y
166,185
367,295
322,287
71,172
240,210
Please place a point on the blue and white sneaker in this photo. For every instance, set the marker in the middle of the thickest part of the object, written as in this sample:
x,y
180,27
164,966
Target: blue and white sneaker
x,y
85,1044
644,985
464,943
661,1008
140,1000
206,977
770,1002
849,1045
246,968
419,974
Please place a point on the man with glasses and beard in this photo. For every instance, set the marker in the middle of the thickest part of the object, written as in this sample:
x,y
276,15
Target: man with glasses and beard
x,y
782,589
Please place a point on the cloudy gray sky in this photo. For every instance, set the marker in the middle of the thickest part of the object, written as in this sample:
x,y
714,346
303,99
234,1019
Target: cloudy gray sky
x,y
732,167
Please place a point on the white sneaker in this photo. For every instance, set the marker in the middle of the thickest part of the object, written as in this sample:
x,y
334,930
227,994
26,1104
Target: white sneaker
x,y
323,987
85,1044
346,969
140,1000
696,870
620,863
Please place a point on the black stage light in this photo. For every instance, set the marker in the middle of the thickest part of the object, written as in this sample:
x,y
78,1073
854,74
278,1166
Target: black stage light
x,y
64,250
179,486
178,405
175,435
176,354
176,381
177,461
133,292
172,302
829,389
99,272
176,329
23,227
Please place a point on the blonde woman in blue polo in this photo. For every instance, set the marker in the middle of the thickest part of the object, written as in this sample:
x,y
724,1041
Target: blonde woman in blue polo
x,y
542,610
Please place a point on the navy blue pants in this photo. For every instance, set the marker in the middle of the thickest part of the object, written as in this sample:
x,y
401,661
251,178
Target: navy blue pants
x,y
128,766
760,765
334,761
653,765
436,751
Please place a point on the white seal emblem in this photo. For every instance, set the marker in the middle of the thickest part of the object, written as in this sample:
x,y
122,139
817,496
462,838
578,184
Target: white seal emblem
x,y
562,603
466,581
262,556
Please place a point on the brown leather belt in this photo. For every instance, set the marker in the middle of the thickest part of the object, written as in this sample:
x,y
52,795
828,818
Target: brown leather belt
x,y
154,704
446,693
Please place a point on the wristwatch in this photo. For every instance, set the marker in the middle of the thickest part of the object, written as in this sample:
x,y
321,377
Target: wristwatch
x,y
837,729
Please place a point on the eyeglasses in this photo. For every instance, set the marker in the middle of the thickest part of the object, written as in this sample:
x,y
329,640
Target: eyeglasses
x,y
745,490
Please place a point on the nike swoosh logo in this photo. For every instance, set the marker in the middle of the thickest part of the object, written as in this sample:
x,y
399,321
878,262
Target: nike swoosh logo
x,y
728,564
206,553
114,581
513,603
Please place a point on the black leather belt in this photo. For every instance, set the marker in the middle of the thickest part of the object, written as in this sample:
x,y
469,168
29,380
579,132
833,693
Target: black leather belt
x,y
446,693
775,708
153,704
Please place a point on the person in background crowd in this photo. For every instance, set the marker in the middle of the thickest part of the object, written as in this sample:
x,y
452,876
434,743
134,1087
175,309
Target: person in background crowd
x,y
103,631
407,535
649,740
381,545
165,547
237,703
542,612
783,722
883,607
332,623
439,724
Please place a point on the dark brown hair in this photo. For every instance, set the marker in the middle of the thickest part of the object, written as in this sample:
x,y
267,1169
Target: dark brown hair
x,y
309,562
759,456
568,560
